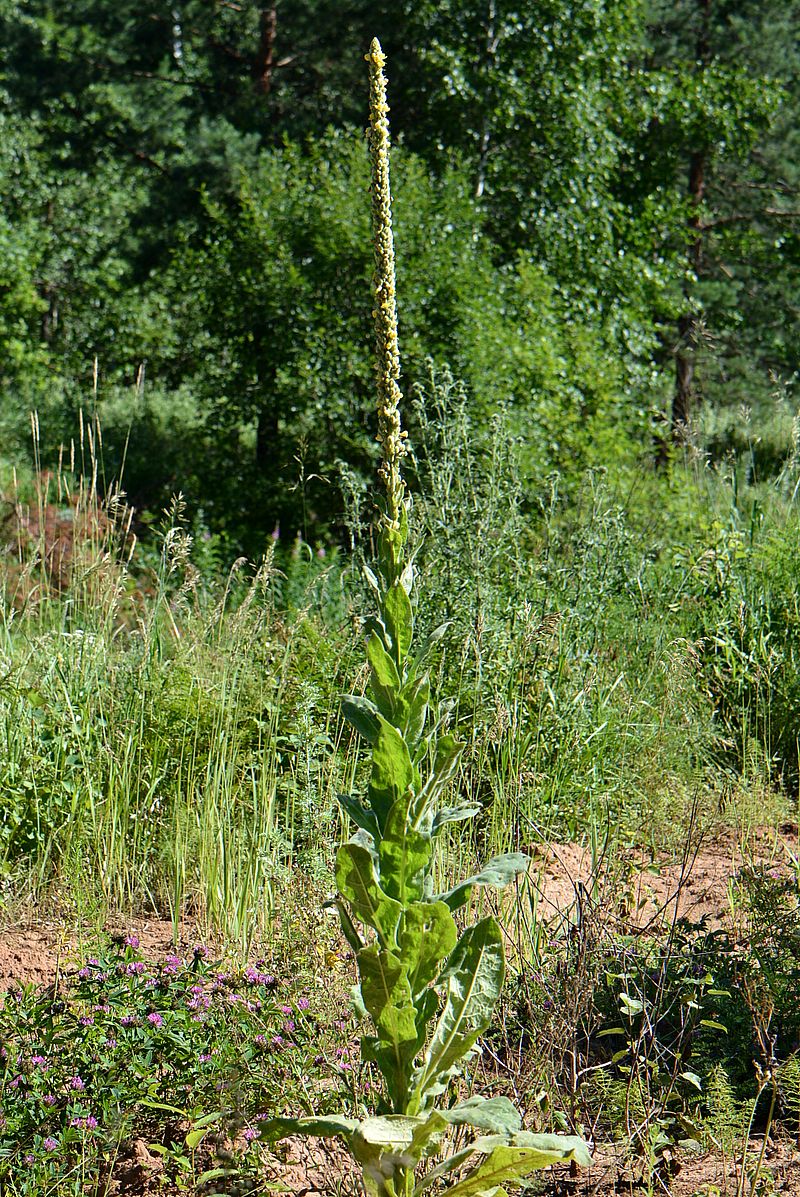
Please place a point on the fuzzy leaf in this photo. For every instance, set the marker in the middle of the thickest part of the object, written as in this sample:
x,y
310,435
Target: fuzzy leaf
x,y
510,1159
417,696
474,974
499,872
326,1127
426,935
384,679
361,714
453,814
495,1114
356,880
447,756
436,635
348,930
386,994
399,619
404,853
392,771
361,815
372,581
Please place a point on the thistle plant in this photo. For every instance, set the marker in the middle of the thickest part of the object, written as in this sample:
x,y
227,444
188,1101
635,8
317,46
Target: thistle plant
x,y
428,992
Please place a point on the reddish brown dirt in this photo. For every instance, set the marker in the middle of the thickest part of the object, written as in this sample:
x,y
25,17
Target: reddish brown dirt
x,y
37,952
646,892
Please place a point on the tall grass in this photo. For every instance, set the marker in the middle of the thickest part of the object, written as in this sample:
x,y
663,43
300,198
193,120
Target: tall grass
x,y
167,740
618,653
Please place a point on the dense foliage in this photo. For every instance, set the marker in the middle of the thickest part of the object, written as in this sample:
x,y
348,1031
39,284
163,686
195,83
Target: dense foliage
x,y
595,200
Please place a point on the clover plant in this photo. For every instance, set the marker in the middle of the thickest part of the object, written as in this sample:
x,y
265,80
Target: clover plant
x,y
428,991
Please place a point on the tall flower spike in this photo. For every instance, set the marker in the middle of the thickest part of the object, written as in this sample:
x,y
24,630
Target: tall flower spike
x,y
390,431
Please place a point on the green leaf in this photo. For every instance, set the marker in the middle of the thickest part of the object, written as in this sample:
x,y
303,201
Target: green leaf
x,y
426,935
496,1114
361,815
392,771
474,975
196,1137
356,880
348,930
363,715
404,853
447,756
499,872
417,696
327,1127
453,814
391,1130
436,635
384,678
399,619
510,1159
386,994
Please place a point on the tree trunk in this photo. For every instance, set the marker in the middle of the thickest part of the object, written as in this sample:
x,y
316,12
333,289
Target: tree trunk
x,y
265,57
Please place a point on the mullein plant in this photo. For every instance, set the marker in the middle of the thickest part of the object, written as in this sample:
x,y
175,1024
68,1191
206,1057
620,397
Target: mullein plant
x,y
428,991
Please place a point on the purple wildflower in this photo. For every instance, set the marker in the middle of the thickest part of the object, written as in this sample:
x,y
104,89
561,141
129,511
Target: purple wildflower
x,y
249,1135
303,1004
50,1144
75,1082
131,941
49,1099
156,1019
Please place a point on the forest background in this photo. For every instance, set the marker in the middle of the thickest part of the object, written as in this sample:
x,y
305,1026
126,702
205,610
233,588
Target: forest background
x,y
597,226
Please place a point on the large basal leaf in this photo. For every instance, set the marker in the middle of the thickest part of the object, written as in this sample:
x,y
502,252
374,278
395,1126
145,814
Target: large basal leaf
x,y
426,935
356,880
329,1126
392,771
404,853
386,994
499,872
363,715
495,1114
399,619
474,975
516,1157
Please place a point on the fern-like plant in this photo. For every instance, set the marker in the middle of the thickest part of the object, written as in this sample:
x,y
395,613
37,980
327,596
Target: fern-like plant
x,y
428,992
